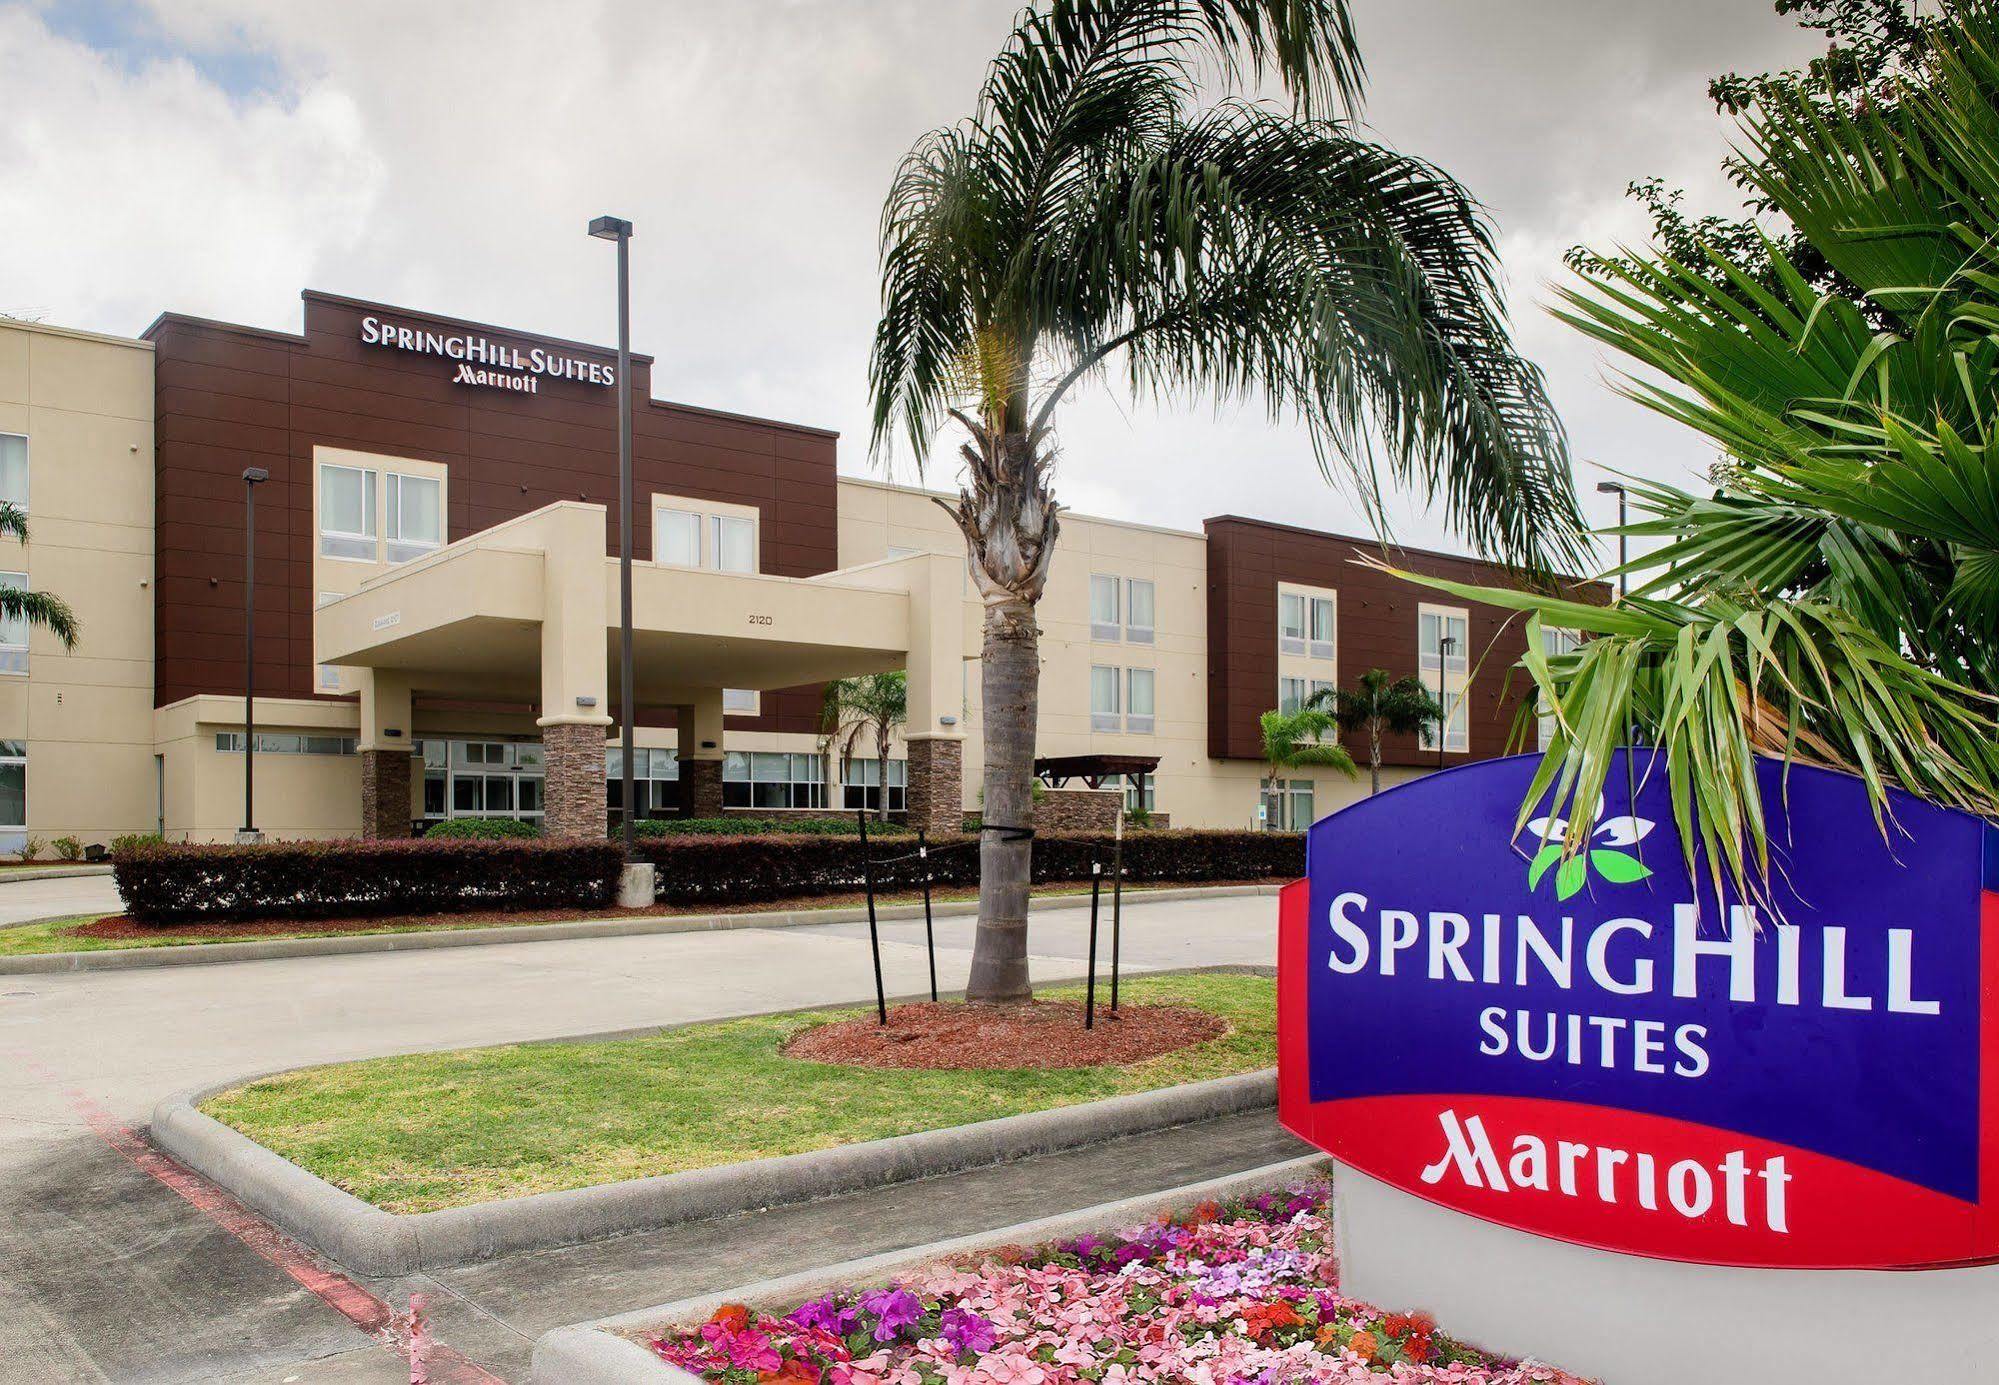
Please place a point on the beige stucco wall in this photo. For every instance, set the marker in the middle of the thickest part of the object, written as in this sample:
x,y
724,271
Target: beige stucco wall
x,y
1197,791
85,403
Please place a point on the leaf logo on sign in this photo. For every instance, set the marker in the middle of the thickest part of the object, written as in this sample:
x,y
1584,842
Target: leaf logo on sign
x,y
1601,857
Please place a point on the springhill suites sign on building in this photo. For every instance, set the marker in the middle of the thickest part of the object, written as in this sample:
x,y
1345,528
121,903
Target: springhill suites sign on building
x,y
1598,1051
483,361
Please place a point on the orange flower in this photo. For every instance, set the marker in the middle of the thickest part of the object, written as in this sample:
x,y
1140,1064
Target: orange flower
x,y
733,1316
1364,1345
1327,1334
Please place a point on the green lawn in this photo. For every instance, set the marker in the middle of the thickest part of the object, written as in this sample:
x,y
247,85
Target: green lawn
x,y
434,1130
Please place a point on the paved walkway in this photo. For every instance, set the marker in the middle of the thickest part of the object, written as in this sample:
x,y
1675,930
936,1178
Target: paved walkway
x,y
24,901
106,1274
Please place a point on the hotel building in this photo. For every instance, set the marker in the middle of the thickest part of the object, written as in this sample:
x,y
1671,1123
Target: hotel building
x,y
437,603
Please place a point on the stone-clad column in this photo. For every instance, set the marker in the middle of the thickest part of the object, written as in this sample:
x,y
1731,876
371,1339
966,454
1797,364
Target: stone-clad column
x,y
385,794
573,796
936,790
701,753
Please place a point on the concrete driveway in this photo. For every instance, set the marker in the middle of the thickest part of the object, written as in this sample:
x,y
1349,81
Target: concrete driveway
x,y
25,901
107,1272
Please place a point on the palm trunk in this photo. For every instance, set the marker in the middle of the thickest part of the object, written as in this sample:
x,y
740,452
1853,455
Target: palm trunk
x,y
1010,678
881,759
1374,755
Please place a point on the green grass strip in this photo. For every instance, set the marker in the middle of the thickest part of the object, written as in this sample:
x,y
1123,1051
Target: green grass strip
x,y
433,1130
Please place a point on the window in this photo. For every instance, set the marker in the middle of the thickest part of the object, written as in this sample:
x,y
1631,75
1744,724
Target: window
x,y
347,513
1322,627
1104,623
860,785
1140,598
1136,798
13,794
482,779
1290,694
739,702
416,516
1138,700
1290,623
765,779
288,743
1317,686
1555,642
735,544
14,469
1104,699
1443,660
655,781
14,629
326,675
1287,805
676,538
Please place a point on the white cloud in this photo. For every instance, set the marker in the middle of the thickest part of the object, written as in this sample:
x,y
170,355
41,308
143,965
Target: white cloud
x,y
447,156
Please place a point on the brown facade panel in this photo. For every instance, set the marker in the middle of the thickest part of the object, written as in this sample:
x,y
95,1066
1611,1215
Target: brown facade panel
x,y
1376,628
229,397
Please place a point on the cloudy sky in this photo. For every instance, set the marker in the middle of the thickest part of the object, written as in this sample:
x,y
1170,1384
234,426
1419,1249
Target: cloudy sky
x,y
216,156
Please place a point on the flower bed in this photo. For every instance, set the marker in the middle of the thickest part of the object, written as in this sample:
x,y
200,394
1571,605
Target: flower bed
x,y
1244,1295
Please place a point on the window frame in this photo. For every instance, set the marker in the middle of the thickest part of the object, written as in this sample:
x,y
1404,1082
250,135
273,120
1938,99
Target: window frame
x,y
393,484
1134,633
371,501
1570,641
27,461
14,653
1135,721
716,519
1288,643
1108,631
1447,670
14,753
1112,720
700,530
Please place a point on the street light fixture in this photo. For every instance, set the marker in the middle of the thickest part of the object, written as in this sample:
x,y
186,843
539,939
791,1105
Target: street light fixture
x,y
1623,494
253,477
613,228
1445,644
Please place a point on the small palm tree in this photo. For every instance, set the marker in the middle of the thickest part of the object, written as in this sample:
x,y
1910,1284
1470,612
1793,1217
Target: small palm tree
x,y
1296,740
1379,705
45,609
877,702
1101,210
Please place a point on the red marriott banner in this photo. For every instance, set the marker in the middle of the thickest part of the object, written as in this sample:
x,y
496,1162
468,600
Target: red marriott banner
x,y
1598,1051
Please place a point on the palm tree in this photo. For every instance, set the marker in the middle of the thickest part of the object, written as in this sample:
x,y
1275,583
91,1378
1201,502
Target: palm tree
x,y
849,707
1834,596
45,609
1295,740
1379,704
1099,209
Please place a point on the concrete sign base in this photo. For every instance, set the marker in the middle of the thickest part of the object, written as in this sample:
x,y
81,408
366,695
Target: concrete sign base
x,y
1631,1320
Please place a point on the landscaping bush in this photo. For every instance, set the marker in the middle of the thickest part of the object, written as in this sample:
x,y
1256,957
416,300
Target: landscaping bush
x,y
173,883
759,827
129,841
481,830
696,869
67,849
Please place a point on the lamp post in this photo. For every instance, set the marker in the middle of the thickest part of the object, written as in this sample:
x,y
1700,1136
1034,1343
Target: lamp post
x,y
253,477
1445,644
1623,494
613,228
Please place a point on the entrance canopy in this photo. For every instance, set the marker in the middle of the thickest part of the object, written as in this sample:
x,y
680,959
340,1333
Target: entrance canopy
x,y
1057,770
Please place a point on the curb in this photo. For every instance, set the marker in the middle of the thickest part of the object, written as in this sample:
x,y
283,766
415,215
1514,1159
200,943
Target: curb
x,y
375,1243
200,954
593,1353
53,873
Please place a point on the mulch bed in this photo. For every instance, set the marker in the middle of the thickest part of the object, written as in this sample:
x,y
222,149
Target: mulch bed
x,y
1040,1034
118,926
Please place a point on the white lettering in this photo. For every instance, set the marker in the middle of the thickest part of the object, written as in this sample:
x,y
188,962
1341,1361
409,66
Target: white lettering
x,y
1594,957
1447,939
1901,941
1555,963
1399,930
1469,1157
1835,996
1740,949
1350,933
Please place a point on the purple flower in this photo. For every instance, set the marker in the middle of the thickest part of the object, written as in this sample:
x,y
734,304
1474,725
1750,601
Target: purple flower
x,y
893,1310
826,1314
967,1331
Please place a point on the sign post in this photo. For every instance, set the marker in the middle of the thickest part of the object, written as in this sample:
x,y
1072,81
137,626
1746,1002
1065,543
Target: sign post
x,y
1597,1053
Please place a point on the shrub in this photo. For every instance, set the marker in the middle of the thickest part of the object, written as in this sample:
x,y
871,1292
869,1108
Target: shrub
x,y
166,883
130,841
67,849
32,847
481,830
698,869
759,827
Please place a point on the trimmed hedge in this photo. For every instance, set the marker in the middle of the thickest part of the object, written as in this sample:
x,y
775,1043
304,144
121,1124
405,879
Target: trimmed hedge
x,y
170,883
758,869
481,830
761,827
